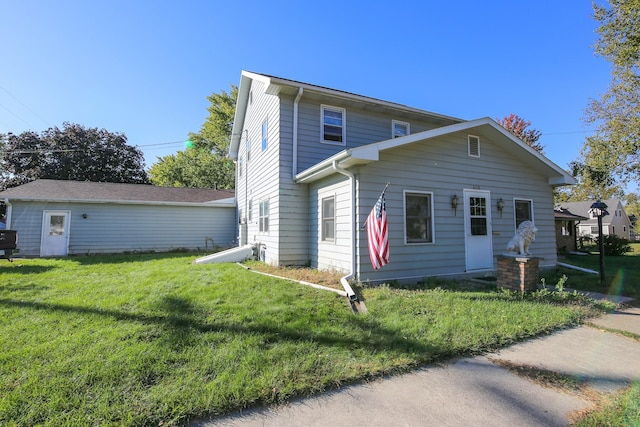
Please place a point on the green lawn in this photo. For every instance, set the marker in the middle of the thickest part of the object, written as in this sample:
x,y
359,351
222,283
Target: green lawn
x,y
622,273
154,339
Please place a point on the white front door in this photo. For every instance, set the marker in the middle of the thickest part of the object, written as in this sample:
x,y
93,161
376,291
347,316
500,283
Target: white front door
x,y
55,233
477,227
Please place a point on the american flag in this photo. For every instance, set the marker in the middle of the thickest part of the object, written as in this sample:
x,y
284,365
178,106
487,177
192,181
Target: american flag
x,y
377,234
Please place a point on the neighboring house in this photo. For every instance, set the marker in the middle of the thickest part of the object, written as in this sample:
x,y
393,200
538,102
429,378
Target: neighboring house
x,y
566,225
312,162
56,218
617,222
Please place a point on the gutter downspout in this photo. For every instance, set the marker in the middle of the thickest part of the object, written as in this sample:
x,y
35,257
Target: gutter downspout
x,y
345,280
294,169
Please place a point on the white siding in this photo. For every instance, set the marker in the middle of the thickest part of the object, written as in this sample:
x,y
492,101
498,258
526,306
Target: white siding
x,y
331,255
443,167
260,180
110,228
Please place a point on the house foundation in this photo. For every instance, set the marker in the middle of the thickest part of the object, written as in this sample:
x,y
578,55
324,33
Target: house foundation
x,y
519,273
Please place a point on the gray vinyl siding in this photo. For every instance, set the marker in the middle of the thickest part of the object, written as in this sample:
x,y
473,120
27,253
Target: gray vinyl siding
x,y
294,198
363,127
260,180
112,228
331,255
444,168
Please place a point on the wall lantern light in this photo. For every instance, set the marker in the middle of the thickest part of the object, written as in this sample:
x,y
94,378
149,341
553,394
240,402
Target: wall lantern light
x,y
599,209
454,203
500,206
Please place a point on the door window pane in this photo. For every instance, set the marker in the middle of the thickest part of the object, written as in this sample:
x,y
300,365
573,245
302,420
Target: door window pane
x,y
56,225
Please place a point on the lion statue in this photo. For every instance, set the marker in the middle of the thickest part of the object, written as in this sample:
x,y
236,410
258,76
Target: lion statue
x,y
525,234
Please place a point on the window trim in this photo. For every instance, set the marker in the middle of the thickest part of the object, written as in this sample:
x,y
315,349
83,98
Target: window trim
x,y
265,133
323,108
473,154
263,219
429,194
401,123
515,218
323,218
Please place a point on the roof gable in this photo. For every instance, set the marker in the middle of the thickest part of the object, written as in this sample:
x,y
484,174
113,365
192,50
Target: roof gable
x,y
278,85
510,143
85,191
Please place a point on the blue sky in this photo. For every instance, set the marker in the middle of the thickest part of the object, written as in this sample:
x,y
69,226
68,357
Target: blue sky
x,y
145,68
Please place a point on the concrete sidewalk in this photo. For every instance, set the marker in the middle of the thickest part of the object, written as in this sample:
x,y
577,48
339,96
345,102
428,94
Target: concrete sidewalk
x,y
477,391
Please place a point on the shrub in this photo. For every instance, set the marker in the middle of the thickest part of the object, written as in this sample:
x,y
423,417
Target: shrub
x,y
614,245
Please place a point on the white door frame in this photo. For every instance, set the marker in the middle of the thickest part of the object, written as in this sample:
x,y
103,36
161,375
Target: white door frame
x,y
478,248
55,242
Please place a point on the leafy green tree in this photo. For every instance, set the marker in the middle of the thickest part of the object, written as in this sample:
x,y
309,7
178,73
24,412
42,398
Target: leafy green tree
x,y
614,150
204,162
520,128
632,204
193,167
71,153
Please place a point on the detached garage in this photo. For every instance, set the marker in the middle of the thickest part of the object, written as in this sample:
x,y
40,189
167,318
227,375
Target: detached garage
x,y
58,218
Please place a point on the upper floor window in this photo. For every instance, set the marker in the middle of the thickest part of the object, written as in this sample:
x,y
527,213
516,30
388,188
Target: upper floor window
x,y
329,218
418,217
524,210
333,125
399,129
264,134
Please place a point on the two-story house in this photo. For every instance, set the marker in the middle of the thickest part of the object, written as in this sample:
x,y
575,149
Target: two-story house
x,y
617,222
312,162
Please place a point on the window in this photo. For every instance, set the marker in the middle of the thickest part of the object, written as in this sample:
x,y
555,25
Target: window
x,y
474,146
249,209
478,216
329,218
524,211
248,148
594,230
399,129
333,126
264,135
263,217
240,165
418,217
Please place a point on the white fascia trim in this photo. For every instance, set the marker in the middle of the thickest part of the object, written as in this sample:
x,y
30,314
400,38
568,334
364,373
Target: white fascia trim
x,y
238,119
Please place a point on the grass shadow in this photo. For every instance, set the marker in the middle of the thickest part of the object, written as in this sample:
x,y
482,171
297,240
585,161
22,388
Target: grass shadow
x,y
180,318
15,268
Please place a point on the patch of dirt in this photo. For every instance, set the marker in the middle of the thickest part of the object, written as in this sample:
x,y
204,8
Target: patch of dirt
x,y
311,275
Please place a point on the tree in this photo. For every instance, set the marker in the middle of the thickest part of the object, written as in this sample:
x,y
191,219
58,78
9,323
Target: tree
x,y
196,168
204,162
519,127
614,149
71,153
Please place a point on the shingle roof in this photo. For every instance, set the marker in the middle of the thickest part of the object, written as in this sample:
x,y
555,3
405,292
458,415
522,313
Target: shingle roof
x,y
584,209
59,190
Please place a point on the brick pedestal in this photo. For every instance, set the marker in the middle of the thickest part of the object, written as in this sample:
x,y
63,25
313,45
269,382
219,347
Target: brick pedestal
x,y
519,273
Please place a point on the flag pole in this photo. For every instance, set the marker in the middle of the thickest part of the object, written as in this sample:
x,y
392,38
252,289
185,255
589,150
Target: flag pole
x,y
381,194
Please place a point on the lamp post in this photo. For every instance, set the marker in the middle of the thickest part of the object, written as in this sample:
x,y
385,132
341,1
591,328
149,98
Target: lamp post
x,y
599,209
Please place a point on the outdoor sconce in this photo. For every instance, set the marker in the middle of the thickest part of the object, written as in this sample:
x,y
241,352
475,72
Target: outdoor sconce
x,y
454,203
500,206
599,209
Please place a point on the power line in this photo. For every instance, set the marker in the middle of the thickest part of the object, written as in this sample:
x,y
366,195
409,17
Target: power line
x,y
17,116
25,106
